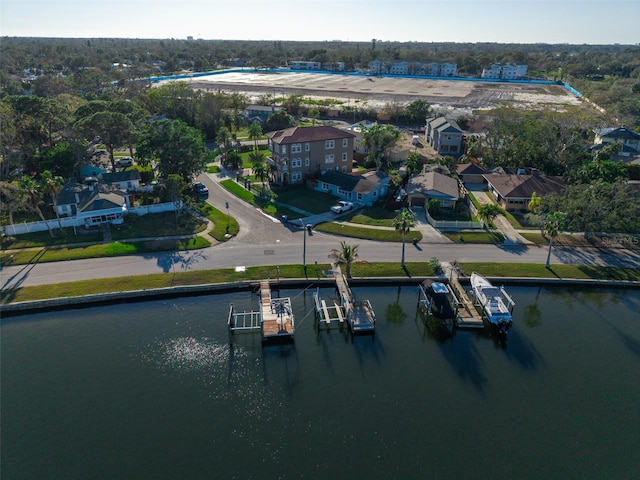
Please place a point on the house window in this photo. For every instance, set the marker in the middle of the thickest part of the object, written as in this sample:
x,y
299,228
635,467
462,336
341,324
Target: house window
x,y
345,142
344,157
359,197
324,186
306,161
296,162
344,169
375,194
276,147
296,148
296,176
328,158
341,192
337,168
307,147
284,149
329,144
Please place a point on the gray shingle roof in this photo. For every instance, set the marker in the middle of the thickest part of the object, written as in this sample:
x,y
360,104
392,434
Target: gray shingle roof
x,y
364,183
124,176
433,182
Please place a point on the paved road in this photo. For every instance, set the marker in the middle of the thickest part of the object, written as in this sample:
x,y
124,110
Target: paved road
x,y
288,249
265,241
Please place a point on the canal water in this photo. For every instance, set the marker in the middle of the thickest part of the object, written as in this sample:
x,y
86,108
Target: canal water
x,y
154,390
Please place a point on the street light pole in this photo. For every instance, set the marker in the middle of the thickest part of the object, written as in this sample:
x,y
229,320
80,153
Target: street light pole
x,y
226,204
304,245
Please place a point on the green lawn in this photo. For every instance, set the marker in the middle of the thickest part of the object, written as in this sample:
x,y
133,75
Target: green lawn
x,y
113,249
376,216
366,233
308,200
361,269
475,237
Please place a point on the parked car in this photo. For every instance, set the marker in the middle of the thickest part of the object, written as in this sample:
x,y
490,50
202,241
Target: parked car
x,y
201,189
124,162
342,206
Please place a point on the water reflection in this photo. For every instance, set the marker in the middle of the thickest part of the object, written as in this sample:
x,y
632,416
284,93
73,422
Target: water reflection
x,y
465,359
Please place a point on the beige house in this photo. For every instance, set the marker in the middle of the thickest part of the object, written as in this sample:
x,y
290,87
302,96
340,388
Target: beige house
x,y
471,173
432,185
513,192
298,152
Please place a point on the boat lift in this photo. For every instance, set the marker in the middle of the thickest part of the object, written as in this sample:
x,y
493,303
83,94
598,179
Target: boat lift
x,y
275,319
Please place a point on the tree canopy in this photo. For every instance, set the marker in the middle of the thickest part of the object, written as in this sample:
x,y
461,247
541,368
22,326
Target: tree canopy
x,y
174,147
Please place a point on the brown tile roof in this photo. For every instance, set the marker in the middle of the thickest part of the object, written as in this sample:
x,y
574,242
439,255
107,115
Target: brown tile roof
x,y
308,134
523,186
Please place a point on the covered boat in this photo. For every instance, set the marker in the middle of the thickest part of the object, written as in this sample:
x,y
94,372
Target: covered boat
x,y
440,299
495,302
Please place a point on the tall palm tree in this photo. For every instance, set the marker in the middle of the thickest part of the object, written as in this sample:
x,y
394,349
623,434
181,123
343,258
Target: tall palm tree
x,y
223,136
33,192
255,131
552,228
51,185
403,223
345,255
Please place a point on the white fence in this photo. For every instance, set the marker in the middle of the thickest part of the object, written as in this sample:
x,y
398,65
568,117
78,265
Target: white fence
x,y
65,222
454,224
156,208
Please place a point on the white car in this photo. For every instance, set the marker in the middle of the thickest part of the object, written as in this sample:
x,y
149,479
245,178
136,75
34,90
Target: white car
x,y
124,162
342,206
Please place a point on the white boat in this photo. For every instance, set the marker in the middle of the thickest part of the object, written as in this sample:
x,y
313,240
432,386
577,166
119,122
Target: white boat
x,y
494,301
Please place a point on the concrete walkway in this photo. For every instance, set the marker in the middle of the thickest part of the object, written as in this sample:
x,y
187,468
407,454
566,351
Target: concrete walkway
x,y
511,235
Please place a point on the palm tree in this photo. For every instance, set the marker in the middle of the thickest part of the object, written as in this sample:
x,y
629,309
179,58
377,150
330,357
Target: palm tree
x,y
488,211
33,192
223,138
345,255
403,223
258,166
552,228
51,185
255,132
535,203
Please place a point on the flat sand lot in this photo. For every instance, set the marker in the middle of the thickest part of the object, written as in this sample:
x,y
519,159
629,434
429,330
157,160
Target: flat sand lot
x,y
378,91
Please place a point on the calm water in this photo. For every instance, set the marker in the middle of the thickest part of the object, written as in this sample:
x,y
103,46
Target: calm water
x,y
153,390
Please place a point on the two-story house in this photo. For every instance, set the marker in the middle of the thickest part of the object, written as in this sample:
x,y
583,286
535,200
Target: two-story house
x,y
628,140
297,152
444,136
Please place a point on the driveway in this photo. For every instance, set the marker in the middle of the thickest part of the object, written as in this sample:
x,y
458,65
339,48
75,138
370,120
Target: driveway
x,y
511,235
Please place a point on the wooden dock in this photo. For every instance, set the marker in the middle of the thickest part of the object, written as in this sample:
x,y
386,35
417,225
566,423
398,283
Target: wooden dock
x,y
468,316
274,319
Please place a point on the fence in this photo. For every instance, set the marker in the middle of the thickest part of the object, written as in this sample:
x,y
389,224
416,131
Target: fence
x,y
65,222
454,224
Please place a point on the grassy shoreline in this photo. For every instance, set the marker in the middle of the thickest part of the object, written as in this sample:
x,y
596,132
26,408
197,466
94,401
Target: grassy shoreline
x,y
417,271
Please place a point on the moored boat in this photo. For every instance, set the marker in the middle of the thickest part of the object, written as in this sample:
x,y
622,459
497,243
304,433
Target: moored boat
x,y
495,302
440,299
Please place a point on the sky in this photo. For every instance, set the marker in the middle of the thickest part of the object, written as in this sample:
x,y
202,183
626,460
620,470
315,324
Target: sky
x,y
500,21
